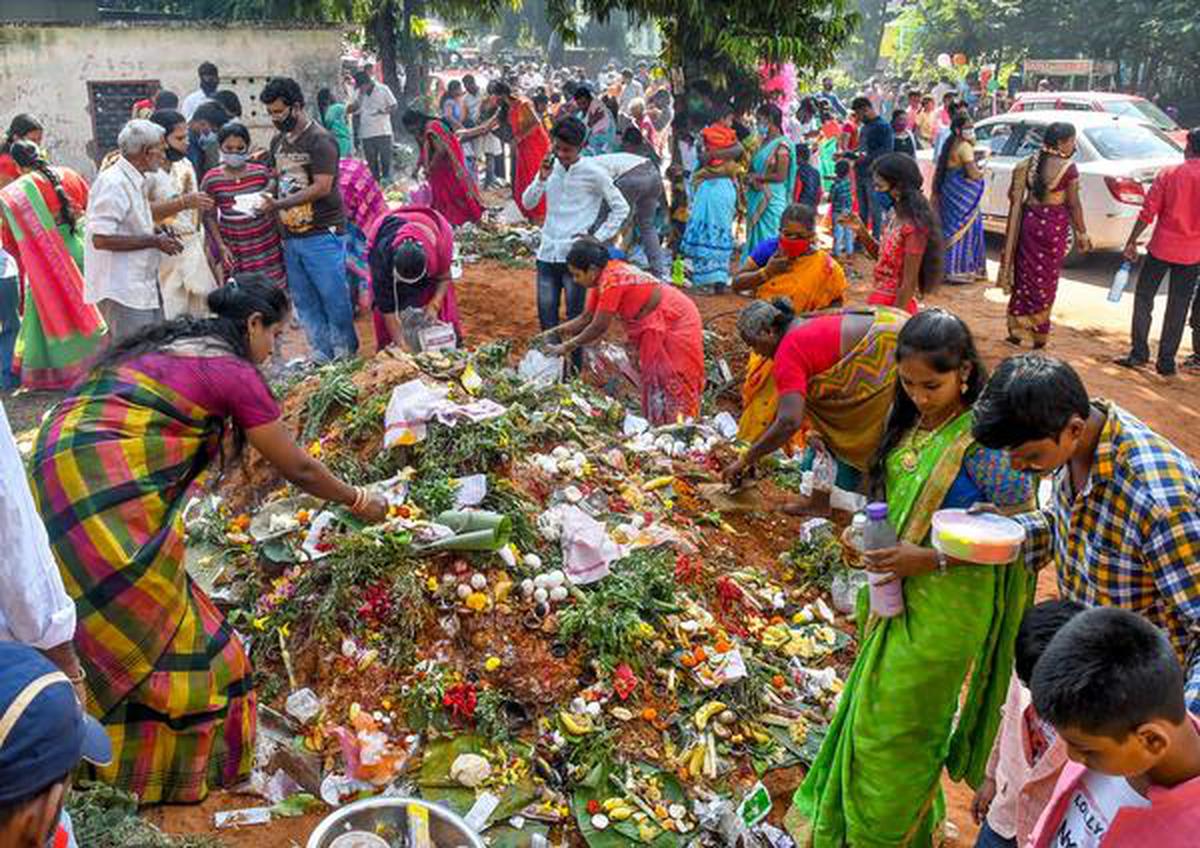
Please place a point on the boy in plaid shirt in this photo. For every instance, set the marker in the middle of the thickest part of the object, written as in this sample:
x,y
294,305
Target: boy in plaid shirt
x,y
841,202
1123,525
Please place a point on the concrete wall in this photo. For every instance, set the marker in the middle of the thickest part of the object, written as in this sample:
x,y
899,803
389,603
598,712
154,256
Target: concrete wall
x,y
45,70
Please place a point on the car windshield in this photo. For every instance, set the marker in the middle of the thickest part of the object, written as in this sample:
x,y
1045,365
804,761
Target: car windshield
x,y
1125,141
1142,110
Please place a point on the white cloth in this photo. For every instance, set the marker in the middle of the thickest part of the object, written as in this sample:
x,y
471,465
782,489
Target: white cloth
x,y
34,606
1092,808
632,91
118,206
618,165
185,279
372,124
573,199
8,266
192,101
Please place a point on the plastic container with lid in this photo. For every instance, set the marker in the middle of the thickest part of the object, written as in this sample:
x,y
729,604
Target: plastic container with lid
x,y
982,538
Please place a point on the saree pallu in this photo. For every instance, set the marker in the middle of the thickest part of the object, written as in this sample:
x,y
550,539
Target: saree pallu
x,y
813,282
532,143
59,333
454,192
962,227
848,404
708,238
112,468
185,279
670,345
765,206
364,203
1041,249
877,779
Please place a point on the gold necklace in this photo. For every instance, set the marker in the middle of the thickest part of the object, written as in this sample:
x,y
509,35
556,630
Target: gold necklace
x,y
911,447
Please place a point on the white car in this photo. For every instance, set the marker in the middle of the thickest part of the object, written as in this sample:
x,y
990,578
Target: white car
x,y
1117,159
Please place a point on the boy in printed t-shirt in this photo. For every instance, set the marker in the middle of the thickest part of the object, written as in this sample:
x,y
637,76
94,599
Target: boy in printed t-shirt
x,y
1111,685
841,202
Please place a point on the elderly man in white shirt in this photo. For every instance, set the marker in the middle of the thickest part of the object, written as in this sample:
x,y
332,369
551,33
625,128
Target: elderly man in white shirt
x,y
121,250
575,190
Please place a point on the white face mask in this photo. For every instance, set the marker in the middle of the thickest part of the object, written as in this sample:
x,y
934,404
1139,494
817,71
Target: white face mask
x,y
969,135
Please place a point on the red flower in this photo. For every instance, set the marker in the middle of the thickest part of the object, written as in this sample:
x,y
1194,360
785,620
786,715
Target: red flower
x,y
687,569
624,681
593,807
461,699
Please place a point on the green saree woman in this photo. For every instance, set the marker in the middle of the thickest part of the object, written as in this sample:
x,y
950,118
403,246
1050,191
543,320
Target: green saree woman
x,y
877,778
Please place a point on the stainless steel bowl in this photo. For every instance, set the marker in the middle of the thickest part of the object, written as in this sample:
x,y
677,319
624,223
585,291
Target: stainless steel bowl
x,y
389,818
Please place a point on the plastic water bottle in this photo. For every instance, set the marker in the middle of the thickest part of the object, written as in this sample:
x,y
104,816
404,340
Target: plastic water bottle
x,y
677,271
887,600
1120,281
846,584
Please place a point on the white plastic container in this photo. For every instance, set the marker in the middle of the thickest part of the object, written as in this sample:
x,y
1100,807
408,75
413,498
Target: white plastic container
x,y
982,538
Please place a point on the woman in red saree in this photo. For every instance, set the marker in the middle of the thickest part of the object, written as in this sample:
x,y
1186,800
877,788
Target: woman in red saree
x,y
662,323
42,228
531,140
454,192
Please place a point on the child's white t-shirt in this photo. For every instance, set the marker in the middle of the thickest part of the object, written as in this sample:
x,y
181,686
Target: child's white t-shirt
x,y
1092,808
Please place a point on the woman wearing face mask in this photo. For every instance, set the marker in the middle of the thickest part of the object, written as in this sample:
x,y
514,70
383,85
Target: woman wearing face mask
x,y
788,266
958,186
904,717
41,224
23,127
905,142
178,206
772,177
247,239
410,252
165,673
909,256
1044,208
661,322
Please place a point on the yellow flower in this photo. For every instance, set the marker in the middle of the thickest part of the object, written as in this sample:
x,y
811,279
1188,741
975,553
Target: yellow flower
x,y
284,631
431,584
491,663
261,623
314,450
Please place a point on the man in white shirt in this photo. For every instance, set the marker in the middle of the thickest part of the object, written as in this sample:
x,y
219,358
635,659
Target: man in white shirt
x,y
10,320
374,105
640,183
575,189
34,606
121,249
631,90
210,79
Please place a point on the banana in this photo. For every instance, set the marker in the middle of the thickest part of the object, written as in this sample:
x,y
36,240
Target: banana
x,y
696,760
575,725
658,483
620,813
706,712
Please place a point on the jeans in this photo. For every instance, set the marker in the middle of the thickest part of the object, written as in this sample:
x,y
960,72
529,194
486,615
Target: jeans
x,y
843,240
10,326
1179,298
988,838
316,271
868,202
378,152
642,189
553,279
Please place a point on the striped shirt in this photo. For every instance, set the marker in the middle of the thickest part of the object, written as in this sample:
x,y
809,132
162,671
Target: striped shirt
x,y
253,239
1131,538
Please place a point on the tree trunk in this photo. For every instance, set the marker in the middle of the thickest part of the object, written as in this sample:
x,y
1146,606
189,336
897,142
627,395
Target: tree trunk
x,y
383,33
874,17
413,52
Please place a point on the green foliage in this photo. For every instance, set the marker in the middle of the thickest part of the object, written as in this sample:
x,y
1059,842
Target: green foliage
x,y
106,817
606,616
433,491
335,391
817,560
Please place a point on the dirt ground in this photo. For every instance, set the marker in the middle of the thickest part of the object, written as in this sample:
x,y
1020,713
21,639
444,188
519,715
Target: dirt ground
x,y
499,302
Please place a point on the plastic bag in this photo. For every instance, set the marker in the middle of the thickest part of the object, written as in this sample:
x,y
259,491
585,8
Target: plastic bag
x,y
539,369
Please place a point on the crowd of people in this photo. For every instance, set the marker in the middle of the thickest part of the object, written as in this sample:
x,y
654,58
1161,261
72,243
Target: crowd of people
x,y
153,295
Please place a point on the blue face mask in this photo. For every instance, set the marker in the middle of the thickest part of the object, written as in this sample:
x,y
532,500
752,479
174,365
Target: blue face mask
x,y
885,201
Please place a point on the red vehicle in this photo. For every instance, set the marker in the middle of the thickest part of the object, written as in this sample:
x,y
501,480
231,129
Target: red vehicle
x,y
1125,105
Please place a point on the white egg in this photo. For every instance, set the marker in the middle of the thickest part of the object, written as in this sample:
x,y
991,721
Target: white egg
x,y
527,587
532,560
462,591
593,709
555,578
559,594
540,595
600,821
478,582
542,581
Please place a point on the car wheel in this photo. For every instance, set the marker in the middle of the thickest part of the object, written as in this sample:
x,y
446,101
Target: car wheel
x,y
1074,255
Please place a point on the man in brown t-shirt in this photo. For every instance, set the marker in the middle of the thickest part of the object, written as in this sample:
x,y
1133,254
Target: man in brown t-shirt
x,y
305,159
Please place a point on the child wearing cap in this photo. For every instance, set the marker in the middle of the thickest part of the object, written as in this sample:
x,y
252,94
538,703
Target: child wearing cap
x,y
1028,755
1111,685
44,733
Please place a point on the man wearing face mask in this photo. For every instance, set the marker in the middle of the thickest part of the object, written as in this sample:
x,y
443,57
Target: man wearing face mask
x,y
305,156
121,248
210,80
44,735
203,151
1123,523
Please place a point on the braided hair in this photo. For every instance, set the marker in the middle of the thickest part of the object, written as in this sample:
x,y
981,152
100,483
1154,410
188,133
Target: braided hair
x,y
28,157
901,171
1055,134
956,129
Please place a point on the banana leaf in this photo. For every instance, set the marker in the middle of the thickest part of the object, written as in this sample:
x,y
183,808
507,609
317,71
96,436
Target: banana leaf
x,y
436,784
598,787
